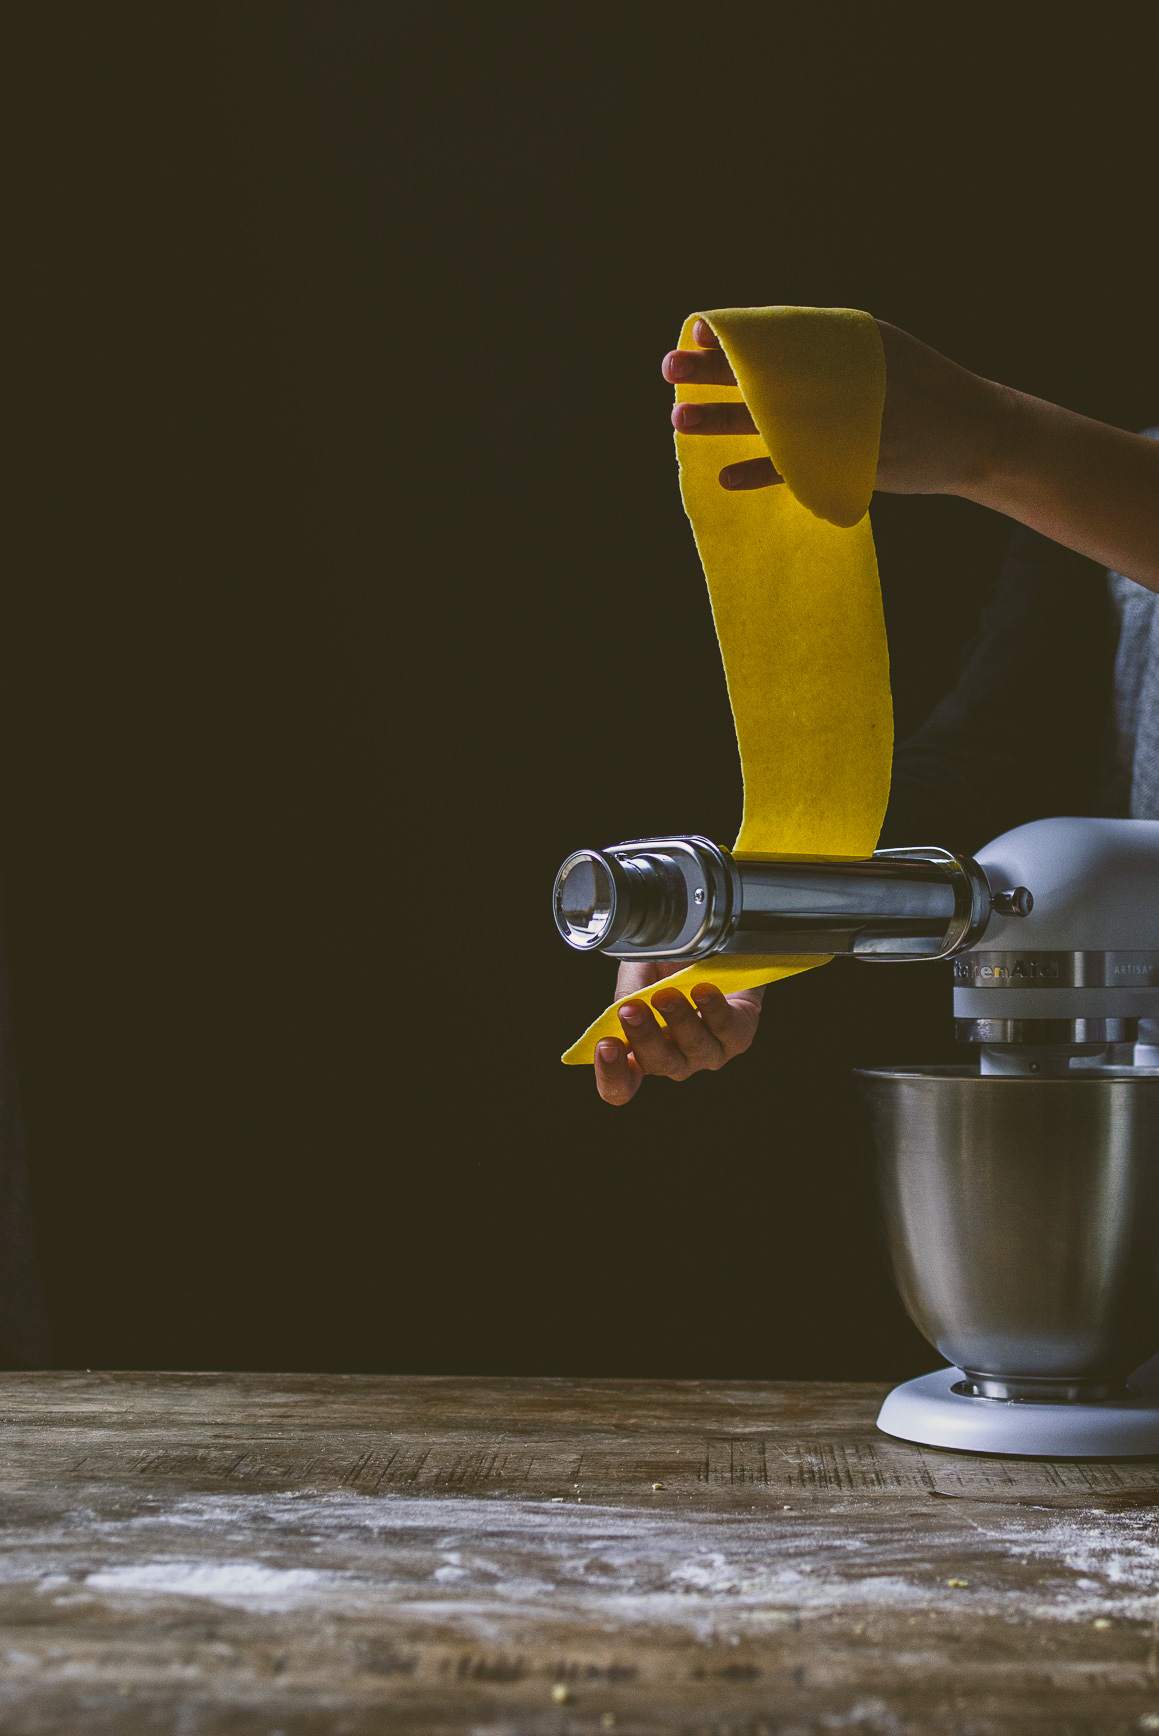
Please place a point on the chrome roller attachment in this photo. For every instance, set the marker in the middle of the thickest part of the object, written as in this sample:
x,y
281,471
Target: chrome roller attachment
x,y
685,898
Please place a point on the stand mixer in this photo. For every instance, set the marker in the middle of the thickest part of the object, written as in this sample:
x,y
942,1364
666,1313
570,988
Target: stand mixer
x,y
1020,1195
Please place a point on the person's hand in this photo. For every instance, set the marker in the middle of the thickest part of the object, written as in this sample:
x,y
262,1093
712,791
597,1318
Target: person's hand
x,y
697,1036
939,426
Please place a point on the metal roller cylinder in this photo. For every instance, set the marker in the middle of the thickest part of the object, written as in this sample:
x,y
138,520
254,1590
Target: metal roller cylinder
x,y
1022,1217
685,898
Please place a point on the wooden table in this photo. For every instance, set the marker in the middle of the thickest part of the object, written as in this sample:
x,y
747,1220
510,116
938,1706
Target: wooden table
x,y
260,1554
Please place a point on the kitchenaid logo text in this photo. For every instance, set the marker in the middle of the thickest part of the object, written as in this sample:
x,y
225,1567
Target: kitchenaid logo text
x,y
1071,969
1023,970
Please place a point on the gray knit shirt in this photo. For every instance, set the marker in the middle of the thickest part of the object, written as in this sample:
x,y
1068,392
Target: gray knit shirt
x,y
1132,775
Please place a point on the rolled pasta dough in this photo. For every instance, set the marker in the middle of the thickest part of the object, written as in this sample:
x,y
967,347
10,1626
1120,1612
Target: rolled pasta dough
x,y
796,600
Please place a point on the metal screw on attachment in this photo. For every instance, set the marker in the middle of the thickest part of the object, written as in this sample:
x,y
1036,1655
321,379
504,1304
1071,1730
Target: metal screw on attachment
x,y
698,895
1019,901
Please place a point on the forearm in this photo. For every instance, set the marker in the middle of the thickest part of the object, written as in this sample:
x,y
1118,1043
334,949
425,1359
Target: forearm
x,y
1093,488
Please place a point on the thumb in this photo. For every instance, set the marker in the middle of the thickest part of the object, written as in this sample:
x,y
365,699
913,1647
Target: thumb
x,y
634,975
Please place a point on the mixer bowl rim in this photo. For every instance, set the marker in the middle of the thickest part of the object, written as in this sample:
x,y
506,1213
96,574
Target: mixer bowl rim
x,y
1110,1075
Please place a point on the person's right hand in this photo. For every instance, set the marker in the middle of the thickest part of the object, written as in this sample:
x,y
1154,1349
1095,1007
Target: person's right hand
x,y
938,424
698,1035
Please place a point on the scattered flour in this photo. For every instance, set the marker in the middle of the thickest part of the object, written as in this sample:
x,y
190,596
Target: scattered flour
x,y
241,1582
471,1565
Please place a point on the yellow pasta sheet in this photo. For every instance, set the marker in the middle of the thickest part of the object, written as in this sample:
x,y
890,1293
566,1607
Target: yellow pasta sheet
x,y
792,575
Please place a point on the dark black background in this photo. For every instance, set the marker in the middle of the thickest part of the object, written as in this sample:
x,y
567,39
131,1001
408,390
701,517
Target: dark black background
x,y
353,591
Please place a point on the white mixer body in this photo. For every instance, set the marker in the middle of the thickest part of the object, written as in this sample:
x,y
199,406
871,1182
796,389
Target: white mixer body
x,y
1089,948
1095,885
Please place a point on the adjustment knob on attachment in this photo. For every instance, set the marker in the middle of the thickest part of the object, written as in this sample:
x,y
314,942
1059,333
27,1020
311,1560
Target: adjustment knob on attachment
x,y
1019,901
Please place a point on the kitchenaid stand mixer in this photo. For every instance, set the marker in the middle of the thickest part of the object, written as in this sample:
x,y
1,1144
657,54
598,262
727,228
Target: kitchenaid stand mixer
x,y
1020,1195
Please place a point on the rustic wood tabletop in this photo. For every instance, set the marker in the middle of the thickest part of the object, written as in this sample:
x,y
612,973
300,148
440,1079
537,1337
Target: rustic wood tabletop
x,y
284,1555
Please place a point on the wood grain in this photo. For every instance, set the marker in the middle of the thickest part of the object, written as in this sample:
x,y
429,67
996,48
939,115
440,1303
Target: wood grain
x,y
238,1555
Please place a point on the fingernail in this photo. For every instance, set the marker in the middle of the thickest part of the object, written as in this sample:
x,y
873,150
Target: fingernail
x,y
631,1015
690,415
702,992
608,1051
679,364
726,479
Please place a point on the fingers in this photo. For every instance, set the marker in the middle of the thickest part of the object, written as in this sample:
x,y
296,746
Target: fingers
x,y
617,1075
726,419
708,366
651,1049
712,419
687,1034
732,1019
686,1046
751,473
697,368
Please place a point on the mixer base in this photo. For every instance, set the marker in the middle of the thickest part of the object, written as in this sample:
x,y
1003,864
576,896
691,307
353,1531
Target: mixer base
x,y
928,1411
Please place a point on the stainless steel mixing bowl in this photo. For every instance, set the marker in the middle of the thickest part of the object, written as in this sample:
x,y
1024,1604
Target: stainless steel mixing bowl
x,y
1022,1217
